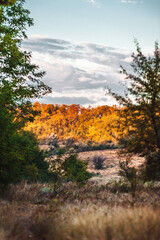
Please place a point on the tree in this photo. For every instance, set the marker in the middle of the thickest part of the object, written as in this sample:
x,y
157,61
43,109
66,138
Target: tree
x,y
141,103
7,2
16,68
20,82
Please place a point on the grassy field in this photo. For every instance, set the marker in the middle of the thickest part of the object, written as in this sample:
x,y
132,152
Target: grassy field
x,y
104,209
111,164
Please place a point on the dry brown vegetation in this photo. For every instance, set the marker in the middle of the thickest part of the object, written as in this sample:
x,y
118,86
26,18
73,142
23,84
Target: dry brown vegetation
x,y
92,212
103,209
111,164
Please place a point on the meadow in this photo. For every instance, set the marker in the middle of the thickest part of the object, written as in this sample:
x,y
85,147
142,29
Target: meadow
x,y
103,209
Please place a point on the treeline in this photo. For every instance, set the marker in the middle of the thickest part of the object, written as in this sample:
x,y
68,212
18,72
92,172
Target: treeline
x,y
97,124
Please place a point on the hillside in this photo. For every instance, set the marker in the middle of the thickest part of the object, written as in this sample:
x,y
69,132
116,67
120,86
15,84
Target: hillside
x,y
97,124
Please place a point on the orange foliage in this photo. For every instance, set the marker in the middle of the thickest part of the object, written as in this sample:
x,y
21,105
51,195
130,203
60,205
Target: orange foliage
x,y
97,124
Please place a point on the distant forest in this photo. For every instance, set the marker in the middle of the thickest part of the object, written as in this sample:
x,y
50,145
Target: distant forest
x,y
97,124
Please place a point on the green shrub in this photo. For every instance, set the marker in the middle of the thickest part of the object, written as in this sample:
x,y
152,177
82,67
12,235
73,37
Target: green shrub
x,y
21,159
75,169
70,168
60,151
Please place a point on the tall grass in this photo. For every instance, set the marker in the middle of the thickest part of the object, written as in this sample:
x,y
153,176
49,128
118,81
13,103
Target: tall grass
x,y
82,221
92,212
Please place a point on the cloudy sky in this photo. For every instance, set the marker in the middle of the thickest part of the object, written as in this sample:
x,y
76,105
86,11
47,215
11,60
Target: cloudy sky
x,y
81,44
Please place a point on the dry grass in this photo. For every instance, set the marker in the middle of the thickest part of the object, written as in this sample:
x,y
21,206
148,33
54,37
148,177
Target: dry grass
x,y
83,221
101,210
101,223
111,164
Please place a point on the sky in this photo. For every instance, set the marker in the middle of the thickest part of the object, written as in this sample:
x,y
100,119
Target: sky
x,y
82,43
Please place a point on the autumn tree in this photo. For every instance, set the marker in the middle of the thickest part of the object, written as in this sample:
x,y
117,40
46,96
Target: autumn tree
x,y
96,124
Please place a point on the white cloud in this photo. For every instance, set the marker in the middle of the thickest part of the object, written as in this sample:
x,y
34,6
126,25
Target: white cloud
x,y
94,2
78,72
131,1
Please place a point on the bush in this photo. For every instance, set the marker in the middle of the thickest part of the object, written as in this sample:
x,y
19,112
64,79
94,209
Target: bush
x,y
69,142
70,169
75,169
60,151
129,173
98,162
120,185
24,160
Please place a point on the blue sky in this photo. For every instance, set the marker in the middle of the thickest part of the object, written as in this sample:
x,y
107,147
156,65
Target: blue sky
x,y
81,43
109,22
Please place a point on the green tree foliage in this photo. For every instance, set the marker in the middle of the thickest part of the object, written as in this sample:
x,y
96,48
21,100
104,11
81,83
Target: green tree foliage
x,y
69,168
23,77
20,157
76,170
33,158
20,81
141,103
7,2
141,115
